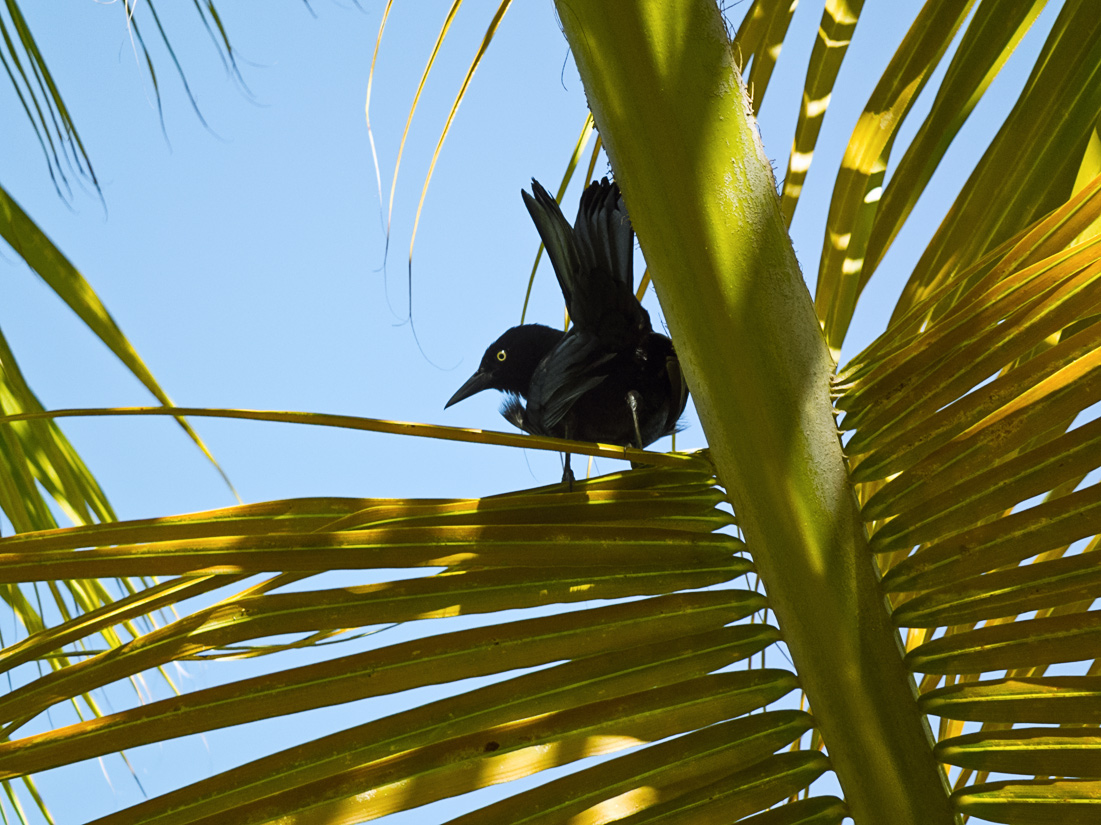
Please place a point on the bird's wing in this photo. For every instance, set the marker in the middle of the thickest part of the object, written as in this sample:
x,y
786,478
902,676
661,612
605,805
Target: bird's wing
x,y
569,371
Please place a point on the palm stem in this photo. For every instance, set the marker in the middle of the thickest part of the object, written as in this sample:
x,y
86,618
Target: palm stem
x,y
662,87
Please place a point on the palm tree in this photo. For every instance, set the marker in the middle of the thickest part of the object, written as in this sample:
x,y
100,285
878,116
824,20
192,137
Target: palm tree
x,y
937,483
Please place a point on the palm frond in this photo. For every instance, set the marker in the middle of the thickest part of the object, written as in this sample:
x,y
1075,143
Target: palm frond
x,y
1049,129
48,262
855,201
988,42
759,41
972,440
644,657
1032,164
835,32
41,101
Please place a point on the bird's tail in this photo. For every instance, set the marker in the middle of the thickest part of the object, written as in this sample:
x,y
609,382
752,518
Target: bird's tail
x,y
603,231
594,259
557,236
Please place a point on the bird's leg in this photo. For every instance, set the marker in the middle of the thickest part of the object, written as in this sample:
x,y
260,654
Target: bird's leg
x,y
633,401
567,472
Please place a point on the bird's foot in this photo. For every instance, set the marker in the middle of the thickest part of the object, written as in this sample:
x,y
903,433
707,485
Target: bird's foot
x,y
567,475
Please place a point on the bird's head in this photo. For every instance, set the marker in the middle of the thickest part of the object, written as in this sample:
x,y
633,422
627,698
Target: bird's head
x,y
510,361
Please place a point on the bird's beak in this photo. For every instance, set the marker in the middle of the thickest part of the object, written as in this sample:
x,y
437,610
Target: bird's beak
x,y
474,384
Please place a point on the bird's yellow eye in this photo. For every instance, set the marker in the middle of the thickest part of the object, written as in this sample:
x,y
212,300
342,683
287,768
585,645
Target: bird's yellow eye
x,y
501,355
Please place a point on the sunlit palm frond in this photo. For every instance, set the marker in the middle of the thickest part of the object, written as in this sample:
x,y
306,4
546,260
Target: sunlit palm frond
x,y
38,465
1032,165
36,454
48,262
614,674
835,32
759,41
860,180
974,448
987,43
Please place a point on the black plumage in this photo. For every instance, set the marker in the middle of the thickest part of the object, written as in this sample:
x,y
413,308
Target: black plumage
x,y
610,378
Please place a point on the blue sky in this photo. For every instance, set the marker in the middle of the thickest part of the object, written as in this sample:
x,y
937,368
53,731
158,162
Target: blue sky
x,y
244,258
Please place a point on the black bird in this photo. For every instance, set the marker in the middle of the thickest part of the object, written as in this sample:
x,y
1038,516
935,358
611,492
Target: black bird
x,y
610,378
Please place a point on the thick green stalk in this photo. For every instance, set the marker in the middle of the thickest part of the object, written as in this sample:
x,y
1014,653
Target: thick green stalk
x,y
673,116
